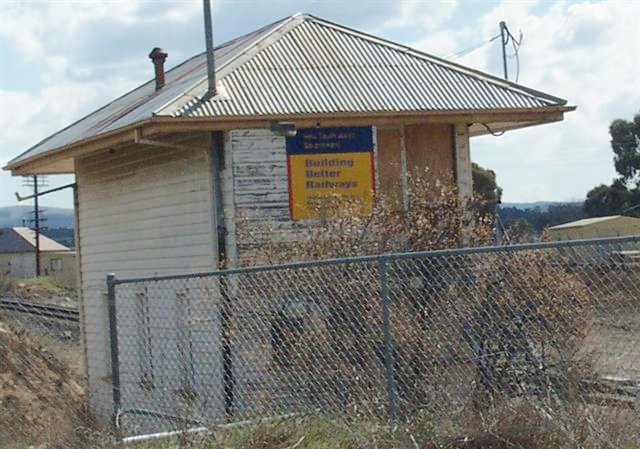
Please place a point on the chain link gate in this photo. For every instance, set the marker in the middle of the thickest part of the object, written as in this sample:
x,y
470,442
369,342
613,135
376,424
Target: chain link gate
x,y
379,337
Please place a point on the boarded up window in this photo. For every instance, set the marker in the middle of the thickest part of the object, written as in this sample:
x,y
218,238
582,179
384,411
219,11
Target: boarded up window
x,y
430,146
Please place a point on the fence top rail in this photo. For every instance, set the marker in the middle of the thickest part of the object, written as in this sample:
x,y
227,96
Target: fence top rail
x,y
112,278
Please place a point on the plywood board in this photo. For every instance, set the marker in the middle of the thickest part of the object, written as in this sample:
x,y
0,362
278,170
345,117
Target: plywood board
x,y
390,162
430,146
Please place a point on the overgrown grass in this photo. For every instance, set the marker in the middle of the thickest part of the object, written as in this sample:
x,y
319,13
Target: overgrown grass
x,y
47,283
38,285
307,433
521,428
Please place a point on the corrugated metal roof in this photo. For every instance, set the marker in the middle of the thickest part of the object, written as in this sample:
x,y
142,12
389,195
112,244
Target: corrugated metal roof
x,y
317,67
23,240
305,65
144,102
590,221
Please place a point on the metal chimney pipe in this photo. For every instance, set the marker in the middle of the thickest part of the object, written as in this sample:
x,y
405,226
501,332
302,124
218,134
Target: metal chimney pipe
x,y
208,35
158,56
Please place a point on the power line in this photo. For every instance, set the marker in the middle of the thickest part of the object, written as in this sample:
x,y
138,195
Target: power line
x,y
466,51
507,38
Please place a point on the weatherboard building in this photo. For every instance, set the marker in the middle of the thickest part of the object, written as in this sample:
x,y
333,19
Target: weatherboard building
x,y
302,108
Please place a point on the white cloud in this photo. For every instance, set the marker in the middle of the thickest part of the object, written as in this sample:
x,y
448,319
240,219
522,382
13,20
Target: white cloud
x,y
71,38
26,116
84,54
429,14
585,52
38,29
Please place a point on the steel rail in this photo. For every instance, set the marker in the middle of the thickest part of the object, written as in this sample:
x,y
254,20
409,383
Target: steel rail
x,y
42,310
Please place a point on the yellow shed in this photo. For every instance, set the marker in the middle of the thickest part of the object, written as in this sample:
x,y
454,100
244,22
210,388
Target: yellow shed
x,y
590,228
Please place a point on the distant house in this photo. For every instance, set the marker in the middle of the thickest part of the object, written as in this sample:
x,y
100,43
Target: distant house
x,y
588,228
18,256
301,108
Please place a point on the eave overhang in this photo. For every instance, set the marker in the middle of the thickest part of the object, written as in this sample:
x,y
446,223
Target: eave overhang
x,y
61,160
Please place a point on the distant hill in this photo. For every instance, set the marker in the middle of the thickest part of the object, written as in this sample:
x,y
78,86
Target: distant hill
x,y
533,218
56,217
65,236
58,226
542,205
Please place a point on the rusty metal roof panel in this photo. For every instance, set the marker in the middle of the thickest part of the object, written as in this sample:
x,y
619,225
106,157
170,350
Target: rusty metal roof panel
x,y
144,101
305,65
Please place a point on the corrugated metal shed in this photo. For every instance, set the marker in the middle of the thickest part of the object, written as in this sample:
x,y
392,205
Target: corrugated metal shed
x,y
611,226
305,65
587,222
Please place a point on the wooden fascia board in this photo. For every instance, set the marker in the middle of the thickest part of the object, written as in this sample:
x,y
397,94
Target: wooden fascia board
x,y
162,125
159,125
73,150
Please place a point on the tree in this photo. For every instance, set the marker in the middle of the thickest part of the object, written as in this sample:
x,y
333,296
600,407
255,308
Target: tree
x,y
562,213
624,192
485,188
607,200
625,142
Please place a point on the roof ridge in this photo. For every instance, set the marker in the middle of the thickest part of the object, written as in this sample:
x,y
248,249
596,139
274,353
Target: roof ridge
x,y
250,49
299,18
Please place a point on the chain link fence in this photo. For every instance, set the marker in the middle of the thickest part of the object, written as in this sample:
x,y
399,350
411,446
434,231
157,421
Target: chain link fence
x,y
460,336
463,343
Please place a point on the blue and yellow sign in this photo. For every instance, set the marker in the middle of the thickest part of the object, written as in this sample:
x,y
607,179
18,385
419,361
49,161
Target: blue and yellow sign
x,y
329,164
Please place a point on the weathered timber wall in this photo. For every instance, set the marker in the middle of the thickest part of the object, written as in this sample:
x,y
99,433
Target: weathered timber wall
x,y
256,189
143,211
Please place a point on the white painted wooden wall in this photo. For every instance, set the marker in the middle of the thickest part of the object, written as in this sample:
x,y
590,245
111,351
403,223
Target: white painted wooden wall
x,y
256,187
142,212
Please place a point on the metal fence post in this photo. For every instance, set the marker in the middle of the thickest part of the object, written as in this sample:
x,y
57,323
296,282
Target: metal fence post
x,y
227,356
115,364
389,357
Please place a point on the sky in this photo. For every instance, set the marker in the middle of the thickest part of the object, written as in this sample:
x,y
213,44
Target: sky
x,y
61,60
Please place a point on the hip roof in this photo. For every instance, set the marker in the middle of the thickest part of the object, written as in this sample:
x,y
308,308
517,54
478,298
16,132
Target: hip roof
x,y
299,66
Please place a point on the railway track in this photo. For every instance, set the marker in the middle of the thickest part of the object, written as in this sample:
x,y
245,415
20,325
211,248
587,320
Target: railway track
x,y
41,310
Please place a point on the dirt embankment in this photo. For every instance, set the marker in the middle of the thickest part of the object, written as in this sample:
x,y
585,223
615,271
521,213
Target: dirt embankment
x,y
40,397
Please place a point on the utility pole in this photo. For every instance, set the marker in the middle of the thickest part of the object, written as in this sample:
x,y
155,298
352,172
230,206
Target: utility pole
x,y
37,223
504,39
35,183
